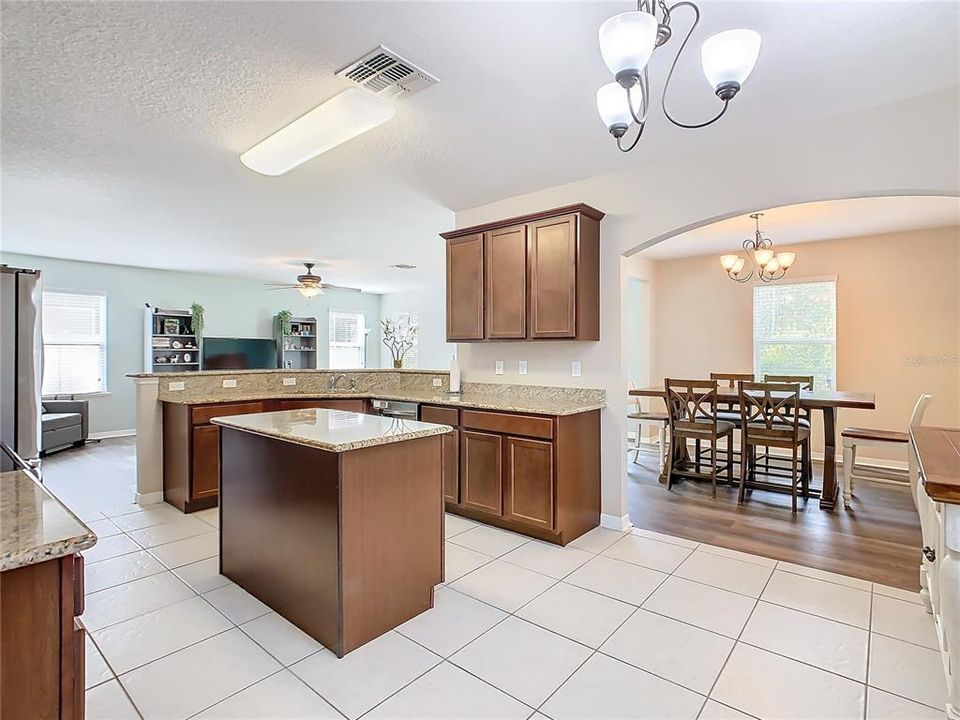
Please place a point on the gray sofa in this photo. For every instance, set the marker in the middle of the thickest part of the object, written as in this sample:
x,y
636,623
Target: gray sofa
x,y
63,424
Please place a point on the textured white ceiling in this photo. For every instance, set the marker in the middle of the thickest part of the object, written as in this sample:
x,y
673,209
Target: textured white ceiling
x,y
122,122
809,222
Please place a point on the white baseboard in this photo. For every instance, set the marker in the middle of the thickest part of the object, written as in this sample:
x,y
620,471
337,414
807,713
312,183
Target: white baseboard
x,y
112,434
615,522
151,498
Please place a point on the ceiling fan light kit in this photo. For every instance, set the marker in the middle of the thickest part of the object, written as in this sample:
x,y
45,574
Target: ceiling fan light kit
x,y
628,41
769,265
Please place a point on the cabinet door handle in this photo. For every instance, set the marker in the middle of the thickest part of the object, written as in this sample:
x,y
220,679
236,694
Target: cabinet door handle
x,y
929,553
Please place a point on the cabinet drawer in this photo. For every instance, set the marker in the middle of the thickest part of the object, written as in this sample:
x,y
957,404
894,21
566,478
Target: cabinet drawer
x,y
528,425
440,415
202,414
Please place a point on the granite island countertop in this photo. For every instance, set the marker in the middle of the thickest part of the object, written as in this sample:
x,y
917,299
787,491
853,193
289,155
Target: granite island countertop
x,y
34,525
331,430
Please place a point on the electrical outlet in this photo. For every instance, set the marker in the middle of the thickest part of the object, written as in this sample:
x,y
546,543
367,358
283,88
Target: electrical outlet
x,y
498,368
438,382
522,367
575,368
229,383
290,381
176,385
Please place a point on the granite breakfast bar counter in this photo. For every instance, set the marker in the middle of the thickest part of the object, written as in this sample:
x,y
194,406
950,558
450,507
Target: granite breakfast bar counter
x,y
332,518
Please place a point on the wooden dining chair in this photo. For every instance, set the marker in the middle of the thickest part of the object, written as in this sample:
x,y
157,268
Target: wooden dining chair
x,y
728,409
806,383
770,418
692,415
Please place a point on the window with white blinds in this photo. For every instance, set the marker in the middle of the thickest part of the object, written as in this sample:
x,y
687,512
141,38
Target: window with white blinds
x,y
408,320
74,343
347,336
795,331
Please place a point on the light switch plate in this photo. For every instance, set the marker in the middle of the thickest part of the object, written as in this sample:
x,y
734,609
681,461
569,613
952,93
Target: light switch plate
x,y
522,367
575,368
437,382
176,385
499,367
229,383
289,381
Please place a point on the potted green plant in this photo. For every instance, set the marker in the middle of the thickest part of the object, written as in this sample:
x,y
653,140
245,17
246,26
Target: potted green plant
x,y
399,337
196,319
284,317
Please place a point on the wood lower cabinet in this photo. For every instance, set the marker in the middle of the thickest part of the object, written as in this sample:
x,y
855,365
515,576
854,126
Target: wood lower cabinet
x,y
191,451
191,444
528,482
465,288
534,474
206,461
42,641
481,471
451,448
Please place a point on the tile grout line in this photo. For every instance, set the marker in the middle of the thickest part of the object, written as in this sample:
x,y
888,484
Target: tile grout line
x,y
736,642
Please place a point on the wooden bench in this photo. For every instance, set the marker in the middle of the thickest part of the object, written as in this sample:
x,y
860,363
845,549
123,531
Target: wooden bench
x,y
853,437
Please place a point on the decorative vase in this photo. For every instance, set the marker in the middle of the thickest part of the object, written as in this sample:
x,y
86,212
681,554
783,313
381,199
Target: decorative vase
x,y
397,364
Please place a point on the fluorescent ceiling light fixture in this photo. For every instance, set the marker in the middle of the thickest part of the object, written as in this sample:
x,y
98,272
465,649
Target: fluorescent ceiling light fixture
x,y
342,117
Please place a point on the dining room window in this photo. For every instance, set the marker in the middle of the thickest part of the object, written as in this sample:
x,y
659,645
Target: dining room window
x,y
74,343
347,337
795,330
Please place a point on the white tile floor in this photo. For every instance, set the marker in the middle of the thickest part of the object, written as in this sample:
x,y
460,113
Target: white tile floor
x,y
618,625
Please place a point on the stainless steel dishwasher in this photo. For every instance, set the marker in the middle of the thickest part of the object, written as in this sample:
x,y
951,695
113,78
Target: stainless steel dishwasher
x,y
396,409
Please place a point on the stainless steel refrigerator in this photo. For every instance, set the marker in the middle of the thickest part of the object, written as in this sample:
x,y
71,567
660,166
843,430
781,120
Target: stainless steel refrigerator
x,y
21,363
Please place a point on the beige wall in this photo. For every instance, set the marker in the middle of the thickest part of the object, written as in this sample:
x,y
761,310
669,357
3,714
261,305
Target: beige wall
x,y
875,152
898,322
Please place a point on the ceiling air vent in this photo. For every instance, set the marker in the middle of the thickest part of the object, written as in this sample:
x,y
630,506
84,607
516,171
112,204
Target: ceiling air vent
x,y
387,74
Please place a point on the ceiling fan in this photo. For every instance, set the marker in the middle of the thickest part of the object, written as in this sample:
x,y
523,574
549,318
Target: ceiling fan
x,y
308,284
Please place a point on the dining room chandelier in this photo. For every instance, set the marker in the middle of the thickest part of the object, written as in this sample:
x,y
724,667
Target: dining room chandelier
x,y
628,40
769,264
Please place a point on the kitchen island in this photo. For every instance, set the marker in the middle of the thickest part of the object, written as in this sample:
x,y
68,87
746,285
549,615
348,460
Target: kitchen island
x,y
333,518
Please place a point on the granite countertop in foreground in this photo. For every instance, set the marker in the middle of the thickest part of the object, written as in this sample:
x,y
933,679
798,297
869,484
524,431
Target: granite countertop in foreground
x,y
331,430
506,402
34,525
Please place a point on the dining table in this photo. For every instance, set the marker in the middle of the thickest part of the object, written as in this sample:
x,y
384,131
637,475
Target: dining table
x,y
827,402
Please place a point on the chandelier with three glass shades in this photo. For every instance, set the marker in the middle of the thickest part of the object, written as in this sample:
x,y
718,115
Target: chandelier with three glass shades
x,y
627,42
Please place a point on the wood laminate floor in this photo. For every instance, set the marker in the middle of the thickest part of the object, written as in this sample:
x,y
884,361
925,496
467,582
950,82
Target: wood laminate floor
x,y
879,540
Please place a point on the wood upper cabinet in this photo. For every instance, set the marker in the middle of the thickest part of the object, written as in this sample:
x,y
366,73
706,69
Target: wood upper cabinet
x,y
505,253
481,471
531,277
465,288
529,482
553,278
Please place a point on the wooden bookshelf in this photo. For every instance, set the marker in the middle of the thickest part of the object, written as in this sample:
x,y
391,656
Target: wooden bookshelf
x,y
297,349
170,344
